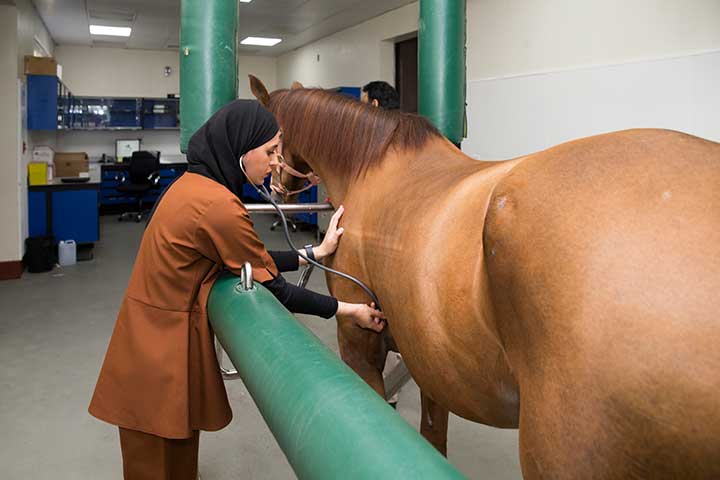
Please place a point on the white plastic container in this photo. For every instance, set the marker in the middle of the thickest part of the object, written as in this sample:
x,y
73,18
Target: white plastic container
x,y
67,252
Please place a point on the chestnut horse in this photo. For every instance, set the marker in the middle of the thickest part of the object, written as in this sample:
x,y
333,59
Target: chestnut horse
x,y
365,352
571,293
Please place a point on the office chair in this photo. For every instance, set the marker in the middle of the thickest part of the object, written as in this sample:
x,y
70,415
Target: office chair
x,y
143,175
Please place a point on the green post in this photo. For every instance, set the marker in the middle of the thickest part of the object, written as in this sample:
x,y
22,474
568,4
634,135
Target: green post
x,y
329,423
441,65
208,61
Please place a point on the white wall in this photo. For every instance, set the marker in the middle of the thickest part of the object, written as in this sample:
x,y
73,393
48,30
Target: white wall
x,y
9,162
19,26
352,57
264,68
516,37
30,28
118,72
541,72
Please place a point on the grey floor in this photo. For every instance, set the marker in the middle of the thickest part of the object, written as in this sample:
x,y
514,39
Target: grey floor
x,y
54,328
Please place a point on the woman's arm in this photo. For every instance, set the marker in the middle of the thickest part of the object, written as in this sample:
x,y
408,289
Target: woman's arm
x,y
289,261
301,300
285,261
226,235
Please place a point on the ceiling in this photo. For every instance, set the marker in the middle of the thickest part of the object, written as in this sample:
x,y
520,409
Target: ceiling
x,y
156,23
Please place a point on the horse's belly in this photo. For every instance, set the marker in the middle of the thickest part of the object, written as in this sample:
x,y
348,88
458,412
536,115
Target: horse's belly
x,y
462,369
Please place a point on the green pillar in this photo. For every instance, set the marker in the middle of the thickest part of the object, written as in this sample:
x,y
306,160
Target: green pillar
x,y
441,65
208,61
329,423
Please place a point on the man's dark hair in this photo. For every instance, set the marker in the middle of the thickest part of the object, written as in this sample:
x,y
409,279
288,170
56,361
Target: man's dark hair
x,y
384,93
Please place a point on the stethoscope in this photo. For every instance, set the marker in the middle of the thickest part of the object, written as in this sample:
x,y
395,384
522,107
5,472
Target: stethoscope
x,y
263,192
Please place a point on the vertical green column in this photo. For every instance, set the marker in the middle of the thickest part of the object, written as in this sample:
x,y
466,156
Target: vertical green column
x,y
208,61
441,65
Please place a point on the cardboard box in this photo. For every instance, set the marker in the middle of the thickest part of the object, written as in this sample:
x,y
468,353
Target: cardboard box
x,y
42,153
40,65
37,173
70,164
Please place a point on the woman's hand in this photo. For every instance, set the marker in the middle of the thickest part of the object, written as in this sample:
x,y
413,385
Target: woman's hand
x,y
332,236
364,316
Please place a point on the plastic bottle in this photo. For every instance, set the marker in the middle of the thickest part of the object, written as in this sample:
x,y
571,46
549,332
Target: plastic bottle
x,y
67,253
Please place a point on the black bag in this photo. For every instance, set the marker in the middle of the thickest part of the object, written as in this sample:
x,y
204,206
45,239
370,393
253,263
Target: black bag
x,y
40,255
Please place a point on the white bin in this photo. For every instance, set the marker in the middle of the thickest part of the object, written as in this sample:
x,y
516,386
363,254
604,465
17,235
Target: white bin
x,y
67,253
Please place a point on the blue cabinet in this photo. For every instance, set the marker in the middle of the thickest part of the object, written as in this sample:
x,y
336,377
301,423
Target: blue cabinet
x,y
65,212
49,103
308,196
250,194
51,106
42,102
349,91
99,113
113,175
160,113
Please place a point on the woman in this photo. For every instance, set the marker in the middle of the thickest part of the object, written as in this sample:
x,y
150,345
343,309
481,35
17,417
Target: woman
x,y
160,382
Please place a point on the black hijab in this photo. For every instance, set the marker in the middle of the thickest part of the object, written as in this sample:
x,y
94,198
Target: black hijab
x,y
234,130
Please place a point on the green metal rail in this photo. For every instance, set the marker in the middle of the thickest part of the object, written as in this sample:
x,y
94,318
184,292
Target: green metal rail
x,y
329,423
208,61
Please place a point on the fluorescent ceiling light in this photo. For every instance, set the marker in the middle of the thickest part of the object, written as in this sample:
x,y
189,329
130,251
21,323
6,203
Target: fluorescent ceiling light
x,y
262,41
245,1
110,31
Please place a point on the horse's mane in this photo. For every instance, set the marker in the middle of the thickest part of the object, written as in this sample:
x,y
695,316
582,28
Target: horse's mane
x,y
353,136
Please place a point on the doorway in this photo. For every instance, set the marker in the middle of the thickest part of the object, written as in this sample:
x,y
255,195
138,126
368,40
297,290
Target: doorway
x,y
406,79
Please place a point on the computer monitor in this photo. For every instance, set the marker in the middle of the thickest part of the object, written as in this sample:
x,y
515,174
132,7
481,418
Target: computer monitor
x,y
125,148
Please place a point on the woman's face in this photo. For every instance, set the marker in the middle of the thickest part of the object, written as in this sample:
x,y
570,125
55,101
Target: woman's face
x,y
260,161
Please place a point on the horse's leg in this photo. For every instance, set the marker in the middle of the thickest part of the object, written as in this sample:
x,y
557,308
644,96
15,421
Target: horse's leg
x,y
434,423
364,352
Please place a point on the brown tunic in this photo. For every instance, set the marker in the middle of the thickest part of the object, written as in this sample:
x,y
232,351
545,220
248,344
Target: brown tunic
x,y
160,374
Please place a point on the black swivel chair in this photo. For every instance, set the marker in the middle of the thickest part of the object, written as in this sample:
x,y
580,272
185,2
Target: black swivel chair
x,y
143,175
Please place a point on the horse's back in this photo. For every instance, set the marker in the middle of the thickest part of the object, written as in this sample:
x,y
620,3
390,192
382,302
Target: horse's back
x,y
604,261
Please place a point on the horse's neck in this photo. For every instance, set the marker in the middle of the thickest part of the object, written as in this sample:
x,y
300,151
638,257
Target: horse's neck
x,y
438,165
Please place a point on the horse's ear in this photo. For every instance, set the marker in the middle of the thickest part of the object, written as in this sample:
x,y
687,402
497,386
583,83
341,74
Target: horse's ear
x,y
295,85
258,89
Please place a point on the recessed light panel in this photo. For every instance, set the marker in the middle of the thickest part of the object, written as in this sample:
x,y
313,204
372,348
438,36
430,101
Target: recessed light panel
x,y
262,41
110,31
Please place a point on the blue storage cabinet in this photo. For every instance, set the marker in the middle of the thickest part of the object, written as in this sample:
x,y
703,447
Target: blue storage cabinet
x,y
124,113
113,175
308,196
49,103
37,213
42,102
99,113
249,192
64,212
160,113
349,91
51,106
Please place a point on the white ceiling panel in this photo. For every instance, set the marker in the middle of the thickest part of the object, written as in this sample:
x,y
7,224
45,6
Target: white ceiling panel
x,y
156,23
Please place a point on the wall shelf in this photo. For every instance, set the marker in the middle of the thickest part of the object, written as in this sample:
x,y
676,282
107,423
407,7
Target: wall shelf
x,y
51,106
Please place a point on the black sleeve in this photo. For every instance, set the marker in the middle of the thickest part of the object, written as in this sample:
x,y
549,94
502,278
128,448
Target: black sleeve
x,y
301,300
285,261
